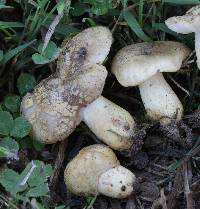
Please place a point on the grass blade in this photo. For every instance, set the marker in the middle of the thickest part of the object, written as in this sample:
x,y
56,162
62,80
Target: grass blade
x,y
4,24
135,26
182,2
9,55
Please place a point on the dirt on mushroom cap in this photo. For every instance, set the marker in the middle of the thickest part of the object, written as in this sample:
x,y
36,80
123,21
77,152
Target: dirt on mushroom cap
x,y
53,107
82,173
135,63
91,46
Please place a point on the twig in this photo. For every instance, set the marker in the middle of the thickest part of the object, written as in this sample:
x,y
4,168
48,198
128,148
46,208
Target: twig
x,y
25,179
179,86
53,25
163,199
58,162
7,202
188,194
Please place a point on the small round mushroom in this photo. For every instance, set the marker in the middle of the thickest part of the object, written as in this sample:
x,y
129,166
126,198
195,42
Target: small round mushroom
x,y
53,108
110,123
141,64
188,23
91,46
96,170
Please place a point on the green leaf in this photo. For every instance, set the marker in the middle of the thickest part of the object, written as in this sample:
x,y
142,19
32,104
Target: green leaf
x,y
78,9
134,25
21,128
25,83
39,59
10,180
1,55
51,51
37,145
9,148
182,2
38,191
2,1
4,24
6,123
60,207
61,6
25,143
102,7
2,6
48,55
12,103
11,53
40,174
90,20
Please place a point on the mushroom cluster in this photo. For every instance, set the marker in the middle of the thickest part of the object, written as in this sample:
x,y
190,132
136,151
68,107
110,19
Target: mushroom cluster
x,y
59,103
54,105
96,170
73,94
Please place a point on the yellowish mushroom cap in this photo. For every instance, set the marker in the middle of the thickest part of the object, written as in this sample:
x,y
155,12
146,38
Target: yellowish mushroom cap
x,y
82,173
96,170
91,46
53,107
136,63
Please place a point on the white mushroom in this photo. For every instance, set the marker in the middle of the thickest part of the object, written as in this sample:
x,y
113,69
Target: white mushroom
x,y
53,108
110,123
96,170
188,23
91,46
141,64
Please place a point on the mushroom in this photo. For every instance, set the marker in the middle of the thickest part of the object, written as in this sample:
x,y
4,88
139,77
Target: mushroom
x,y
110,123
53,108
96,170
188,23
141,64
57,106
91,46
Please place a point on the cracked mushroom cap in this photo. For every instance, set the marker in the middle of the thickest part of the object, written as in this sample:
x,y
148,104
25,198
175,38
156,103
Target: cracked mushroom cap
x,y
136,63
53,107
188,23
91,46
95,170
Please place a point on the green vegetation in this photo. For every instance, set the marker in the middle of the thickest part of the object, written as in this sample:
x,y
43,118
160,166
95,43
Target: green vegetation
x,y
28,53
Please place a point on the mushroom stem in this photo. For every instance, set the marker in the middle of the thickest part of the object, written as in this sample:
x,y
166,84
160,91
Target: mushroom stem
x,y
159,99
197,47
110,123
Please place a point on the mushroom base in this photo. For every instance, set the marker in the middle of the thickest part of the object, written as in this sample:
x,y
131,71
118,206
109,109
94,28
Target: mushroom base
x,y
159,99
